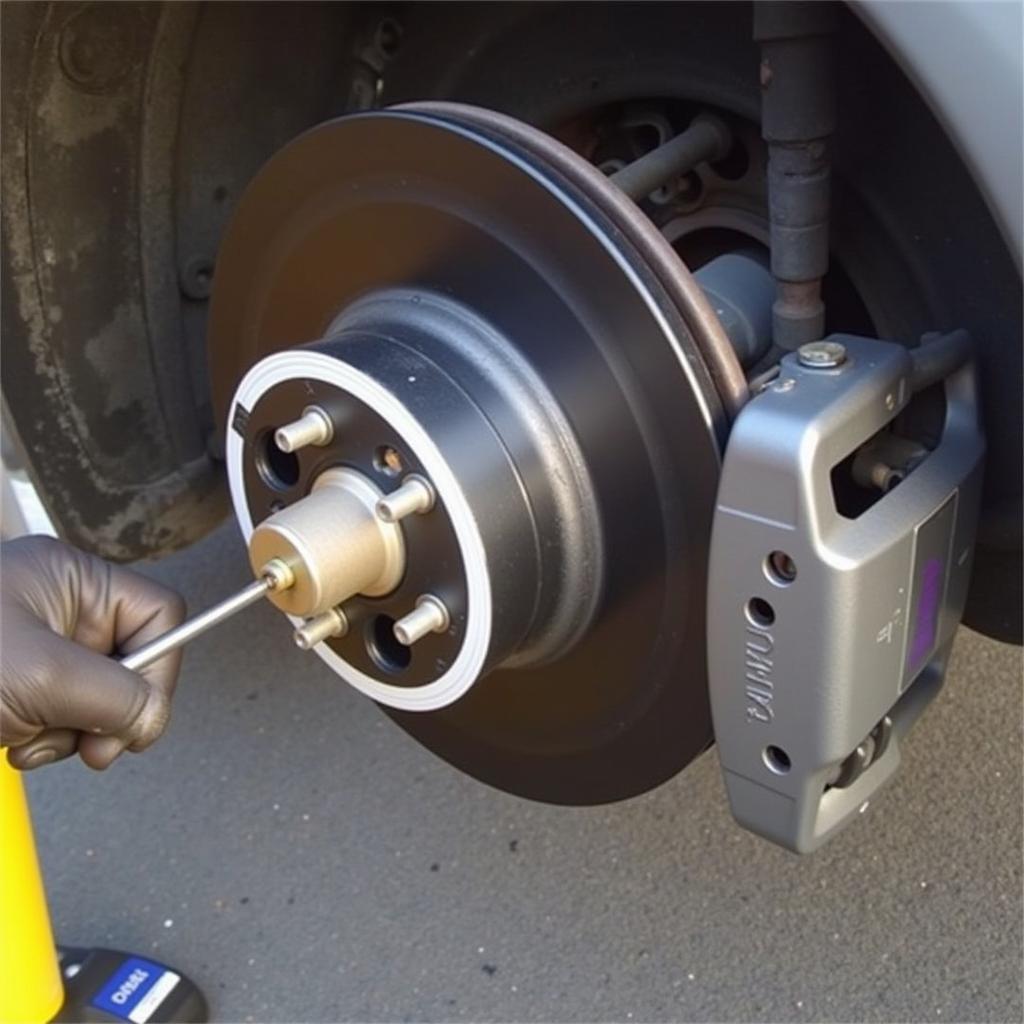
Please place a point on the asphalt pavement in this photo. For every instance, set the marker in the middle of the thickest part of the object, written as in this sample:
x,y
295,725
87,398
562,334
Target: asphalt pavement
x,y
302,859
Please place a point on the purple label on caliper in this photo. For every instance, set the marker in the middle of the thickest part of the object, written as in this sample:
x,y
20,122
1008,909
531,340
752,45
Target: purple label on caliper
x,y
926,621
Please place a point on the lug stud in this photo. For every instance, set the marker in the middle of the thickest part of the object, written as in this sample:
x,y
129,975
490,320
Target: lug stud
x,y
314,427
415,495
429,616
314,631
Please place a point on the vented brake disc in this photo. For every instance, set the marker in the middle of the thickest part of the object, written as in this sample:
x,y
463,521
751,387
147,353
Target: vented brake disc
x,y
473,305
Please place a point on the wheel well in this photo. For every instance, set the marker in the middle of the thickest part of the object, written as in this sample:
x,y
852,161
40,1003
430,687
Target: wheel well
x,y
131,130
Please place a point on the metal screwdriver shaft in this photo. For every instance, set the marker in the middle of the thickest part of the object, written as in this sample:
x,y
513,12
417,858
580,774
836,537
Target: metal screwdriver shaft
x,y
274,576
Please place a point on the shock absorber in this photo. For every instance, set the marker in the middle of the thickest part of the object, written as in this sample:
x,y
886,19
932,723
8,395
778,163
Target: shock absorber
x,y
797,121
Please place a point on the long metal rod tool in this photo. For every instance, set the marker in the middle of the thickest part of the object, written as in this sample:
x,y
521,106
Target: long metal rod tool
x,y
274,576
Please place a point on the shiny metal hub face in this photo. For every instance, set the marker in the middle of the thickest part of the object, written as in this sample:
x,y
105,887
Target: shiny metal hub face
x,y
470,303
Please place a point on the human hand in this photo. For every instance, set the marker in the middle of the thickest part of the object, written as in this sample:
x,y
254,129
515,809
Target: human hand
x,y
63,613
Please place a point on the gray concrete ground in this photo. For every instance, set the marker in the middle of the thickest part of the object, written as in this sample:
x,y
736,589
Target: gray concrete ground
x,y
304,860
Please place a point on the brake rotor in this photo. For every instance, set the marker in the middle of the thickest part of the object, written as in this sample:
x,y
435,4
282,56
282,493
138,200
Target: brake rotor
x,y
368,229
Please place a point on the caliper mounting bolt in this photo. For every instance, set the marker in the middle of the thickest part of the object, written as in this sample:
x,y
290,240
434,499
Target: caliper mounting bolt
x,y
822,355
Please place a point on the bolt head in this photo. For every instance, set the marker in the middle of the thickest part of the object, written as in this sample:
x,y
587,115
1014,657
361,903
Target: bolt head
x,y
822,355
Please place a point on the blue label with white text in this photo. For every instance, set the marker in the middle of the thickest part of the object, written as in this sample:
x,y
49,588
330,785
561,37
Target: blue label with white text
x,y
124,994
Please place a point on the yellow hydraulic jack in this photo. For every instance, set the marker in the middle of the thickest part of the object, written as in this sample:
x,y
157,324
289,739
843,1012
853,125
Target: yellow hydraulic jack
x,y
40,982
30,981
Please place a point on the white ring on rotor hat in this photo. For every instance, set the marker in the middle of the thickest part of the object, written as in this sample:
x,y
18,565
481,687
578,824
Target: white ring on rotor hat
x,y
306,364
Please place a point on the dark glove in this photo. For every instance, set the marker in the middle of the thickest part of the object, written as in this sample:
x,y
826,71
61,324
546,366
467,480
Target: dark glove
x,y
62,613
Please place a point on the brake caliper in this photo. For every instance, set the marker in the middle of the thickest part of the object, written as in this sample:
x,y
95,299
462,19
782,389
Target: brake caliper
x,y
840,559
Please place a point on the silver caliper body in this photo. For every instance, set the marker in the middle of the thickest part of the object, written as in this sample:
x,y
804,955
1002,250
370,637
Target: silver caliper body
x,y
828,634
